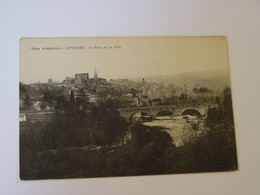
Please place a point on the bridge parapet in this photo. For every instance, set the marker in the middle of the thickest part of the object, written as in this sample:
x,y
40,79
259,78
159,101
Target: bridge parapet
x,y
177,110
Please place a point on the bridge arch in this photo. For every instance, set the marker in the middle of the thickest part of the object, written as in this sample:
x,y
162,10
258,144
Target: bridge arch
x,y
164,113
132,116
177,110
191,111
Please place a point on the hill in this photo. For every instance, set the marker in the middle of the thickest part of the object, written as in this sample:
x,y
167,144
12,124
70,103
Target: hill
x,y
213,79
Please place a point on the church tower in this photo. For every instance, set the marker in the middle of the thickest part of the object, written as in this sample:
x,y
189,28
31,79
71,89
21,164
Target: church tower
x,y
95,74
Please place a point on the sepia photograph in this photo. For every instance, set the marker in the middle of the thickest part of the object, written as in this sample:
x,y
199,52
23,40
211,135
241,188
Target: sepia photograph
x,y
124,106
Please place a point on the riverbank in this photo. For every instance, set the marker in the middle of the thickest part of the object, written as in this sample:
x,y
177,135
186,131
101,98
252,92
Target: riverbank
x,y
181,130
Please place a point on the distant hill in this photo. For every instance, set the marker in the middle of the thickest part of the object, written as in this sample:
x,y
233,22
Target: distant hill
x,y
213,79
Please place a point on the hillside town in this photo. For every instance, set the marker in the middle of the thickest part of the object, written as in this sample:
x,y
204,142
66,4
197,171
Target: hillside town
x,y
119,126
128,93
151,107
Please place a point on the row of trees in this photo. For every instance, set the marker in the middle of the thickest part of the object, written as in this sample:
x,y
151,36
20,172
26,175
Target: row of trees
x,y
74,127
201,90
149,151
50,100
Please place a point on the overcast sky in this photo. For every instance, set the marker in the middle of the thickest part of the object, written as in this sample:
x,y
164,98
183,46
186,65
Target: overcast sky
x,y
132,57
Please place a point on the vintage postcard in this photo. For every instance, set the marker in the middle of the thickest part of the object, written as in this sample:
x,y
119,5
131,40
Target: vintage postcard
x,y
124,106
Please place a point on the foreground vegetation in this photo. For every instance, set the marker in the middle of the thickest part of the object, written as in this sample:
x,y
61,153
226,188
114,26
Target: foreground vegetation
x,y
76,143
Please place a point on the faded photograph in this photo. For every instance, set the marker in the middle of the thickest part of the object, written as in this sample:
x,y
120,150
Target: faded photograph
x,y
124,106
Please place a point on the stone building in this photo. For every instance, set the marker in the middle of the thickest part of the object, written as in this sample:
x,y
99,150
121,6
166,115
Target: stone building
x,y
69,81
81,78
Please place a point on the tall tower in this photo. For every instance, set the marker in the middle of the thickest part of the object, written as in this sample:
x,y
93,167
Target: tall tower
x,y
144,89
95,74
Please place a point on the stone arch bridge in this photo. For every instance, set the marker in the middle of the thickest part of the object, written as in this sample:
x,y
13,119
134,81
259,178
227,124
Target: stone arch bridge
x,y
176,110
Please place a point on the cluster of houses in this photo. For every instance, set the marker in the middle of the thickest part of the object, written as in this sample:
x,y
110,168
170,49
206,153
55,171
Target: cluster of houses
x,y
98,90
82,80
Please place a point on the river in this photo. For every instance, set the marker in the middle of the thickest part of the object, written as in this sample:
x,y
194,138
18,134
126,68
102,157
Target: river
x,y
181,130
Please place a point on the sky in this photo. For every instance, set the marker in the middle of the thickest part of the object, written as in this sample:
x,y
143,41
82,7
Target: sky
x,y
119,57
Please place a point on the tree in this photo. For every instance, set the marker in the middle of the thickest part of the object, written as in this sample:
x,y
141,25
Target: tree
x,y
72,98
48,97
215,116
195,90
215,150
204,89
227,104
61,103
217,100
109,127
151,151
223,113
201,90
82,99
157,100
150,102
183,97
172,90
27,102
